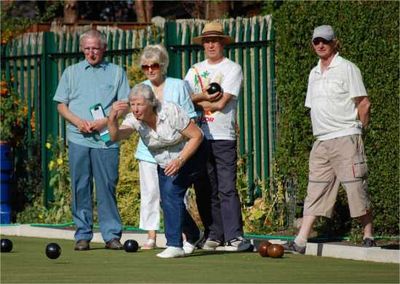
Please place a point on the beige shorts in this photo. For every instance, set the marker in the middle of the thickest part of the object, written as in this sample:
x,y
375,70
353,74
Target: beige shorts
x,y
333,162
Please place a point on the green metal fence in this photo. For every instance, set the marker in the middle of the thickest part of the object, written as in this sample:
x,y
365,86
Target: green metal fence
x,y
36,61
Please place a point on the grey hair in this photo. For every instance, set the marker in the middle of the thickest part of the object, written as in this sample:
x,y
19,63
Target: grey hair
x,y
145,91
156,53
93,34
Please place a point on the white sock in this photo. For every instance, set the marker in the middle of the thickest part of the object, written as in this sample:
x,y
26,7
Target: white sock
x,y
300,241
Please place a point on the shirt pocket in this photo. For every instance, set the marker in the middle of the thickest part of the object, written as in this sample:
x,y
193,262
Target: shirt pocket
x,y
336,86
106,89
106,95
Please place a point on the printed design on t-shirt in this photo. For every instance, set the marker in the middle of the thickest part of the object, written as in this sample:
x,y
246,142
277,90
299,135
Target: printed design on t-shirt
x,y
201,82
209,115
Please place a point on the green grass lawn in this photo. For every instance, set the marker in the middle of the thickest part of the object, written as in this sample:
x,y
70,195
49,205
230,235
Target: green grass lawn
x,y
28,263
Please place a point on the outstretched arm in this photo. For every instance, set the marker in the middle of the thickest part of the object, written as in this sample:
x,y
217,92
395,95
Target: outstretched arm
x,y
118,133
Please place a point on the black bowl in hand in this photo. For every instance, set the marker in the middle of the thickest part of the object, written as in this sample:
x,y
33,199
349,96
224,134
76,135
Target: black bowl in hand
x,y
214,88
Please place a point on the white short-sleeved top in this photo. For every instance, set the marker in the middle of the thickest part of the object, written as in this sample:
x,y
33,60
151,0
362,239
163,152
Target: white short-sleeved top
x,y
175,91
330,95
166,142
218,125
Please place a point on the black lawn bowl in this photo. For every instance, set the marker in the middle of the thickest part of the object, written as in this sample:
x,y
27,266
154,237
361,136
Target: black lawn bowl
x,y
214,88
6,245
131,246
53,250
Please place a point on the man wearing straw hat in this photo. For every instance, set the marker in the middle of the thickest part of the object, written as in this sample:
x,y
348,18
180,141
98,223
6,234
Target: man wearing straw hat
x,y
224,226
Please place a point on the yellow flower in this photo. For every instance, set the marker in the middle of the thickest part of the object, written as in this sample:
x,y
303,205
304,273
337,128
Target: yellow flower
x,y
51,165
59,161
48,145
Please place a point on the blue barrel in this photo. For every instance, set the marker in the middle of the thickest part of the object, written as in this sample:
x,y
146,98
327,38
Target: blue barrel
x,y
5,185
5,213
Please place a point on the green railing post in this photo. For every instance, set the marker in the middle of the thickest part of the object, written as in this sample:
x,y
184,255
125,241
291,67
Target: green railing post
x,y
249,117
273,106
48,117
174,69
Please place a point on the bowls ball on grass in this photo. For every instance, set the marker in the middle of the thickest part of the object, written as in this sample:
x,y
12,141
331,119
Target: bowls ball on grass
x,y
53,250
263,248
6,245
131,246
275,250
213,88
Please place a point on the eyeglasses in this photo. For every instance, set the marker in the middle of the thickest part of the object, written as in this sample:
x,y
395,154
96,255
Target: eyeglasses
x,y
211,40
154,66
95,50
318,40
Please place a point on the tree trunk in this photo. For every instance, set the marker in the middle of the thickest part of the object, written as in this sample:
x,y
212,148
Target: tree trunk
x,y
144,10
148,7
70,11
217,9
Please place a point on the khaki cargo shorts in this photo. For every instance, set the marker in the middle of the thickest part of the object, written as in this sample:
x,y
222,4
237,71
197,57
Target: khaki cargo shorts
x,y
333,162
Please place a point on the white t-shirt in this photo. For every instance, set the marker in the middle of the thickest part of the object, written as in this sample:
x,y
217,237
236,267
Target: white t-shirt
x,y
330,95
219,125
166,142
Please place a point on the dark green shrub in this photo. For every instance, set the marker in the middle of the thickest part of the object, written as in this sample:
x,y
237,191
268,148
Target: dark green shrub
x,y
369,34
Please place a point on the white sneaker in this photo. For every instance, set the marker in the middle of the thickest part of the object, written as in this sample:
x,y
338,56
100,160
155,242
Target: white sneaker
x,y
237,244
150,244
188,248
211,244
171,252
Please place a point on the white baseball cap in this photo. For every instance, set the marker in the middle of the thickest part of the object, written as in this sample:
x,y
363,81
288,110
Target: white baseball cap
x,y
325,32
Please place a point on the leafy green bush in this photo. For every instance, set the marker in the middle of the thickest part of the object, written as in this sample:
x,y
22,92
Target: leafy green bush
x,y
369,35
128,189
58,211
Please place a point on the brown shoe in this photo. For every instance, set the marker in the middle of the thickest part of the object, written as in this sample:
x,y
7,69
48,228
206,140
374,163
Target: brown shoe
x,y
82,245
114,244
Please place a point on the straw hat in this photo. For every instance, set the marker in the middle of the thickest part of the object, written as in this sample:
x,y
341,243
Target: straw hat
x,y
213,29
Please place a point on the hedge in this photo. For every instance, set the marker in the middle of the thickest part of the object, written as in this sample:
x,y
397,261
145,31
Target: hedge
x,y
369,36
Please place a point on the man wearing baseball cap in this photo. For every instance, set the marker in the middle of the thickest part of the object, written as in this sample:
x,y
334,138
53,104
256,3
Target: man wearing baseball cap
x,y
339,112
216,194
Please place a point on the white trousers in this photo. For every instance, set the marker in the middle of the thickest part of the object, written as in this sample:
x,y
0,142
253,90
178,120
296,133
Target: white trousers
x,y
149,196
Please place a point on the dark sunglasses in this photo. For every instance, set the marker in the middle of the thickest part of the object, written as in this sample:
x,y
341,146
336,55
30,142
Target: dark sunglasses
x,y
318,40
154,66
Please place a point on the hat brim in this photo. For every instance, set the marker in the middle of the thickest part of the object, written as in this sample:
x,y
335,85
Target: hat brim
x,y
225,39
329,38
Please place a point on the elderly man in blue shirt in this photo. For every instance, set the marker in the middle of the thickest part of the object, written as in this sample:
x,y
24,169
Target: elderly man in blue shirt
x,y
85,95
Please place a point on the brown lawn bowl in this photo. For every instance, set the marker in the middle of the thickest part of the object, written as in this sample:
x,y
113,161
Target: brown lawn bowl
x,y
263,248
275,250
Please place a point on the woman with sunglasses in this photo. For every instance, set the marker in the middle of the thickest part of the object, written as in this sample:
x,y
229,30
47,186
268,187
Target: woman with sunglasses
x,y
154,63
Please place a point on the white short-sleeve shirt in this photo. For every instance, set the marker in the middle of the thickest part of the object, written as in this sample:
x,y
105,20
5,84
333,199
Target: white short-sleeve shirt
x,y
218,125
330,95
166,142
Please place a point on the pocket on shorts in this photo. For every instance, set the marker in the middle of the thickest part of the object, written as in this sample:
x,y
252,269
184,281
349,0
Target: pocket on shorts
x,y
360,169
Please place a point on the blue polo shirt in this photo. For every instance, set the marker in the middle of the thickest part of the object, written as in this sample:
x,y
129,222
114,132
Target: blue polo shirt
x,y
82,86
176,91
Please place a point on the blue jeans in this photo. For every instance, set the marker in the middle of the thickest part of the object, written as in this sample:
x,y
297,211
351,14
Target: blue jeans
x,y
100,164
172,191
176,217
